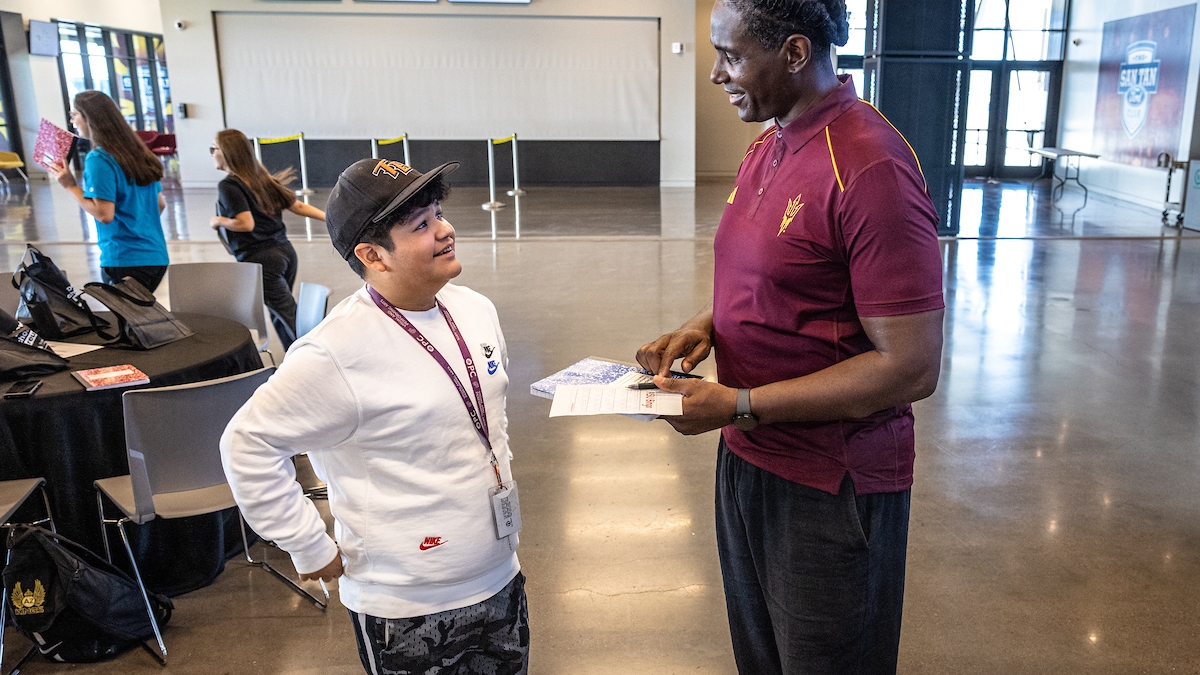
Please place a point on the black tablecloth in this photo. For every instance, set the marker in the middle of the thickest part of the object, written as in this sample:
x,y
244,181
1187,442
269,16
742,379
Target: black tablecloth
x,y
72,437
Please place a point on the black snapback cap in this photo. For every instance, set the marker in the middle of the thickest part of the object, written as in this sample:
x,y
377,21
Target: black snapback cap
x,y
367,192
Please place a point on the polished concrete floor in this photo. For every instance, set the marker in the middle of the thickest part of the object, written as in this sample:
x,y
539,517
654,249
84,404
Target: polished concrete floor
x,y
1055,518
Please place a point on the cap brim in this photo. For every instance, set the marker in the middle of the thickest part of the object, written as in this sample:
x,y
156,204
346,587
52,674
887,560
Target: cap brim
x,y
411,190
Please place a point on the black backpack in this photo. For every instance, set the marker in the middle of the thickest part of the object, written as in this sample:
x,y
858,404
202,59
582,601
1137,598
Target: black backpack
x,y
75,606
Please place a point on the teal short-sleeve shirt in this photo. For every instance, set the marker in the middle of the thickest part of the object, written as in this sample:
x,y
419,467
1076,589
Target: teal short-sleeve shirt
x,y
134,238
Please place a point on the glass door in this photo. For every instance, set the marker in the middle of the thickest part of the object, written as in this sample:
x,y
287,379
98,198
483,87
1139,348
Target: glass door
x,y
1013,94
1012,107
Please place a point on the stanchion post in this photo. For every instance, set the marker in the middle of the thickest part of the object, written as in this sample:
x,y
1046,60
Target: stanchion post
x,y
376,143
304,190
492,204
516,191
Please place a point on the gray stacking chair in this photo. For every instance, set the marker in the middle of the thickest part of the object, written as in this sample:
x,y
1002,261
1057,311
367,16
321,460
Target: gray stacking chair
x,y
231,290
173,438
13,495
311,307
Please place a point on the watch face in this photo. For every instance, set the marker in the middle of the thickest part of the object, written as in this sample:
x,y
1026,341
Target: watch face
x,y
746,422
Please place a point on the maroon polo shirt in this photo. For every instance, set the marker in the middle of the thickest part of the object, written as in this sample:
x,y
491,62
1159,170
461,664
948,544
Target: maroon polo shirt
x,y
830,221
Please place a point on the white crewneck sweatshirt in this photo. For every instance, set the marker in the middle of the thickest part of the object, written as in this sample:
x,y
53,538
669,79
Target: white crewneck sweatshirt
x,y
385,427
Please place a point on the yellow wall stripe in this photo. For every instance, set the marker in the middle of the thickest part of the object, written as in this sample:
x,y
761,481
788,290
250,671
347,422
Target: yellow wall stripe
x,y
834,160
910,147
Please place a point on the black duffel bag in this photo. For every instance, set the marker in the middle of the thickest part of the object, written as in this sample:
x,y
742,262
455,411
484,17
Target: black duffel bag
x,y
75,606
142,323
48,302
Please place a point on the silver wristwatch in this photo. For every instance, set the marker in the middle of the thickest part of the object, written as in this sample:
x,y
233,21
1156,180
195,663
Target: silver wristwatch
x,y
743,419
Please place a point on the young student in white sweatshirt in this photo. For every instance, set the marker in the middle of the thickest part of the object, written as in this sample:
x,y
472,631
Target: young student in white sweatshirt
x,y
398,398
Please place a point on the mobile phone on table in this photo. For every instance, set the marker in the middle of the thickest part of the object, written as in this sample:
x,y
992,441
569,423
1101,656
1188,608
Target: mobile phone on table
x,y
23,389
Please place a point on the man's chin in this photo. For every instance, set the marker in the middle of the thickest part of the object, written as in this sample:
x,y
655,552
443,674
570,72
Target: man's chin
x,y
749,115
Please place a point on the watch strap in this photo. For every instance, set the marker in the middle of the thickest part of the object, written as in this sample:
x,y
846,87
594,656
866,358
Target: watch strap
x,y
743,402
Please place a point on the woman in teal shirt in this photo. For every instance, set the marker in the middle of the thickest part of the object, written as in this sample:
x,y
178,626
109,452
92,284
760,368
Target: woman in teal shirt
x,y
121,190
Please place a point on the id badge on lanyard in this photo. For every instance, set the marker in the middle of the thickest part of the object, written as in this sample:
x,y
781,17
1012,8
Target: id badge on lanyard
x,y
506,507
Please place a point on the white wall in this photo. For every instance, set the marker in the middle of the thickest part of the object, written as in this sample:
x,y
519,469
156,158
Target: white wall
x,y
195,79
36,84
721,136
1081,73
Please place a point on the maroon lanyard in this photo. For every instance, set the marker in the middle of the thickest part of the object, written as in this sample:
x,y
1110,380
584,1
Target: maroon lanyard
x,y
479,419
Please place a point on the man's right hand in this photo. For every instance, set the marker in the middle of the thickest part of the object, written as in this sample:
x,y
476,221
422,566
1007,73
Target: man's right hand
x,y
692,344
327,573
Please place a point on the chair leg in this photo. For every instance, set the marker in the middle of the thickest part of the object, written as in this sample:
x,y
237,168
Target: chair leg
x,y
103,525
145,596
24,659
4,598
278,575
49,516
24,177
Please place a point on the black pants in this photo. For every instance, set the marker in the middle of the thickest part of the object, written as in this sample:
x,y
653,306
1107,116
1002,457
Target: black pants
x,y
149,276
814,582
279,266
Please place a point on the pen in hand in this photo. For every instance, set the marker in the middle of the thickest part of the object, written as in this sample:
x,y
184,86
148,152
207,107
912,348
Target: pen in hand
x,y
643,385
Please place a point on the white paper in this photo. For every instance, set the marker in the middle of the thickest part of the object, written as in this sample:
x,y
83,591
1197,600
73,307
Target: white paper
x,y
631,378
571,400
69,349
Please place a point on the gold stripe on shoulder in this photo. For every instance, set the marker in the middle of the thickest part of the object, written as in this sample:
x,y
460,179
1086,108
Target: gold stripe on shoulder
x,y
910,147
837,174
761,139
732,195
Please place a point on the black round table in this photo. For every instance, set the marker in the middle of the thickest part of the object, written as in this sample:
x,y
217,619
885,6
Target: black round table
x,y
72,437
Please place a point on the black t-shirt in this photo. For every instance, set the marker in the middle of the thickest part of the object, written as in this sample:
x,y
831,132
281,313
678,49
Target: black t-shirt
x,y
234,198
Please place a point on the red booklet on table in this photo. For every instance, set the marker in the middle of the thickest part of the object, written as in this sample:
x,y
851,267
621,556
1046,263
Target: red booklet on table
x,y
53,144
111,376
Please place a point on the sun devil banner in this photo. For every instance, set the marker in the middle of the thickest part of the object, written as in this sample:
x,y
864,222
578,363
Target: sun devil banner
x,y
1143,80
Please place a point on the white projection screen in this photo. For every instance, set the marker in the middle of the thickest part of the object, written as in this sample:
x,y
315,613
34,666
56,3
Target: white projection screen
x,y
440,77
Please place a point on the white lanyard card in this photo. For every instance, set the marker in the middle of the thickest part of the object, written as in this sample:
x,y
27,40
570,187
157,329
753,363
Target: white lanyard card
x,y
506,509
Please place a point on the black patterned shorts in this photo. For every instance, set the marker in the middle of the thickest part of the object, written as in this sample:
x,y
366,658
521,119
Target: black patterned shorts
x,y
487,638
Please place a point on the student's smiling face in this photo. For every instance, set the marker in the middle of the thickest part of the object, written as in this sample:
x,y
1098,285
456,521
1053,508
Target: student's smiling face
x,y
423,248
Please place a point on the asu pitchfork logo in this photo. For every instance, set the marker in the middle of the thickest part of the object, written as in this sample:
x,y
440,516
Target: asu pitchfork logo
x,y
789,215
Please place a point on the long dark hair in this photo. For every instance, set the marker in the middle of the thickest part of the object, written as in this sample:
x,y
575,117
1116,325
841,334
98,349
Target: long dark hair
x,y
110,131
269,190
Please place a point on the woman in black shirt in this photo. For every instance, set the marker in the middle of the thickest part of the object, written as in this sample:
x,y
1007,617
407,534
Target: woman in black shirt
x,y
250,209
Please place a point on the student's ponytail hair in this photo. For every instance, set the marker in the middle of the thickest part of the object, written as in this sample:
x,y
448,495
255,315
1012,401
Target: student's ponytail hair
x,y
269,190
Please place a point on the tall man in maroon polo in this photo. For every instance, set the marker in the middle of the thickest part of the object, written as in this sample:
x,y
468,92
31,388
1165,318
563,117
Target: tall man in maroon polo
x,y
827,323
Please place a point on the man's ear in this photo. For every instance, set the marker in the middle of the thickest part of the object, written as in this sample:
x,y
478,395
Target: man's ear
x,y
798,51
369,256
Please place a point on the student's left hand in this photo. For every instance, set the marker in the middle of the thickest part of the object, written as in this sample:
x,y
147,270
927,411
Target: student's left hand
x,y
217,222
